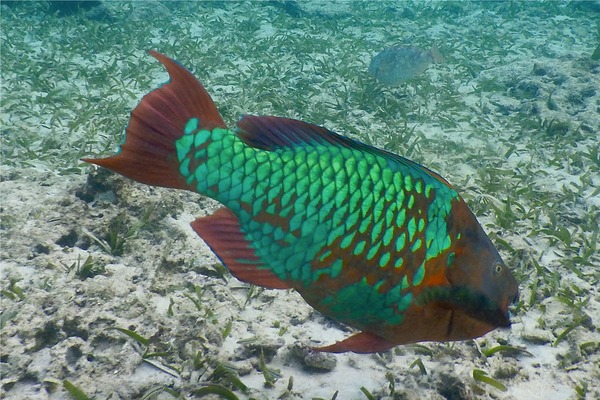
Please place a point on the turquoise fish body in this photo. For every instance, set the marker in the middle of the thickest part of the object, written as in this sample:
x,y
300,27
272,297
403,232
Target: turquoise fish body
x,y
368,238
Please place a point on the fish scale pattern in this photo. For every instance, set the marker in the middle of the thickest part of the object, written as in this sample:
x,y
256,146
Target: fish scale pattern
x,y
331,219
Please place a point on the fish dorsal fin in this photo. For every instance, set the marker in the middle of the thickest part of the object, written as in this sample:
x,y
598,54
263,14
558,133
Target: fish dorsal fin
x,y
270,133
223,234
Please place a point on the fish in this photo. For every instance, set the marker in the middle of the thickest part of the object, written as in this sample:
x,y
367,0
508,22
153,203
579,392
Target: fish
x,y
368,238
398,64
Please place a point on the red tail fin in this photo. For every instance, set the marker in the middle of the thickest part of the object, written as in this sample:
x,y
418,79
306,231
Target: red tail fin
x,y
148,154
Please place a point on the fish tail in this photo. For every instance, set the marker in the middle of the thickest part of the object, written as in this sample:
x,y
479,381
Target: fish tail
x,y
149,154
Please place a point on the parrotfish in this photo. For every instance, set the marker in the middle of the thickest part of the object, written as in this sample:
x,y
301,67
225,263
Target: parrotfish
x,y
399,64
368,238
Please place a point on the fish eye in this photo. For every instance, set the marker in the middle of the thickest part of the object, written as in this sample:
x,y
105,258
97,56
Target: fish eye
x,y
498,269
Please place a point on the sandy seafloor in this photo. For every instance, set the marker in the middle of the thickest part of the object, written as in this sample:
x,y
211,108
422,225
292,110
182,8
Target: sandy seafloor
x,y
511,118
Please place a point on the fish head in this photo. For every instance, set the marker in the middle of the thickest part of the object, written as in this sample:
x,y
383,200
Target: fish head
x,y
466,290
482,287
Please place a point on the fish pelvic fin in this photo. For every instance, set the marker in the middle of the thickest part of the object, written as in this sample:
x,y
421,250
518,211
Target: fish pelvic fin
x,y
149,153
362,342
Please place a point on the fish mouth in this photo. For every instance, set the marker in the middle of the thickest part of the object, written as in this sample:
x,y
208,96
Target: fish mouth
x,y
511,303
514,300
504,320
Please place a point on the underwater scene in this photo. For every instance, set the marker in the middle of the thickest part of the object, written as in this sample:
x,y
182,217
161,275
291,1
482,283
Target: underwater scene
x,y
377,200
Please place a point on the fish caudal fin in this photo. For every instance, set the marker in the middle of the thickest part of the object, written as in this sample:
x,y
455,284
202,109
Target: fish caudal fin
x,y
149,155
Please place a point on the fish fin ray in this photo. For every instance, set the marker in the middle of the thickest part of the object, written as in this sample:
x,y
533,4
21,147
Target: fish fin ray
x,y
148,154
362,342
270,133
223,234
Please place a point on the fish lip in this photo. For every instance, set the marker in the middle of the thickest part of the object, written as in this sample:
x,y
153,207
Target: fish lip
x,y
515,298
506,320
504,315
512,303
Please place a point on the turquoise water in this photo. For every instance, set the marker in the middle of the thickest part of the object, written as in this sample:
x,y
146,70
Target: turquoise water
x,y
510,118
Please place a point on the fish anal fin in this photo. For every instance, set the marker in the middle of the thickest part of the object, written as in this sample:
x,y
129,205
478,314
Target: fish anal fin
x,y
362,342
223,234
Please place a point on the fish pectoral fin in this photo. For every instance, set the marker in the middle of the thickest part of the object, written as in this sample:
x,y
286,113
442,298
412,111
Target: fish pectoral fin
x,y
223,234
363,342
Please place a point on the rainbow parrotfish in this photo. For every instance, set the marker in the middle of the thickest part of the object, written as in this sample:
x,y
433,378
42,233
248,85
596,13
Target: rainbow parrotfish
x,y
368,238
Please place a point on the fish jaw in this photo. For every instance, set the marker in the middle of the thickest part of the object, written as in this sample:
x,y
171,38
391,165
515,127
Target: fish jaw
x,y
463,326
457,317
436,323
426,325
442,314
